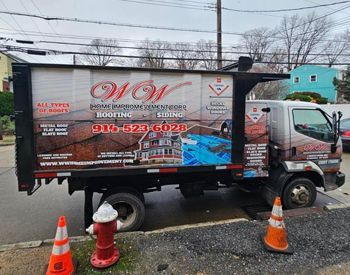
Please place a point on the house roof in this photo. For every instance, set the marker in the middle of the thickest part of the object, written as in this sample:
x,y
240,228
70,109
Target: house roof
x,y
44,59
14,57
313,67
147,138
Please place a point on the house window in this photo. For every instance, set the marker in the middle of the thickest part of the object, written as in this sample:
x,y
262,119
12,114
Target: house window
x,y
154,142
146,144
152,134
313,78
296,79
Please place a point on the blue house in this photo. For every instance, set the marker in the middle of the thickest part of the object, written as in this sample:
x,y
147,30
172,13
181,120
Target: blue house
x,y
312,78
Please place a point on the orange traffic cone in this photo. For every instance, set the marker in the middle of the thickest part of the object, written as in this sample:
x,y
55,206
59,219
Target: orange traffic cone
x,y
61,259
275,239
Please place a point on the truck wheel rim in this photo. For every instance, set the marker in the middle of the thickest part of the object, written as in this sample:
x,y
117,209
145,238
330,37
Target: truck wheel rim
x,y
126,214
300,195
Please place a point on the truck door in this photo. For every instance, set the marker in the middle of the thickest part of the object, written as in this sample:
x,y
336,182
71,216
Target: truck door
x,y
311,137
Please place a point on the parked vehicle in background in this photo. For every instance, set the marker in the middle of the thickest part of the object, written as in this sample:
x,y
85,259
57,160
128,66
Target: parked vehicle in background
x,y
345,133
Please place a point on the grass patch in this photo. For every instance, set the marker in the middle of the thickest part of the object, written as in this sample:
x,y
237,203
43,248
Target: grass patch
x,y
8,140
83,250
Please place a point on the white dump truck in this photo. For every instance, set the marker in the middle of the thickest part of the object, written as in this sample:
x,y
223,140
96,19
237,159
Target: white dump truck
x,y
127,131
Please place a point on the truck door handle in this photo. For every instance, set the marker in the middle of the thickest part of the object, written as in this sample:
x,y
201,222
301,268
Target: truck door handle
x,y
294,151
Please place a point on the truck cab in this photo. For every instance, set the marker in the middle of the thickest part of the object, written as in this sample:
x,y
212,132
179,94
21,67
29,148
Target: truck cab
x,y
305,152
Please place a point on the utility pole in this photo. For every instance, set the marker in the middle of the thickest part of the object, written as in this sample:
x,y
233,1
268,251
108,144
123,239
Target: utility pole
x,y
219,34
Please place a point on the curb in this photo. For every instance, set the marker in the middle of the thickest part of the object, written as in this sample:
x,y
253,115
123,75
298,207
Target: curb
x,y
3,145
337,206
196,225
21,245
76,239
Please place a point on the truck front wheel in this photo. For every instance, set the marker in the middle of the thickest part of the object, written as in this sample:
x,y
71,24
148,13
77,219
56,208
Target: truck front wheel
x,y
131,210
299,192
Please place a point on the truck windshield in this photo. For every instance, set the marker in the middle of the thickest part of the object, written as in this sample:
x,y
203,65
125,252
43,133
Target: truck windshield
x,y
313,123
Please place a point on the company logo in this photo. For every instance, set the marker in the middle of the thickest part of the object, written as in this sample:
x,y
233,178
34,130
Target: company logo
x,y
316,147
254,116
146,91
218,86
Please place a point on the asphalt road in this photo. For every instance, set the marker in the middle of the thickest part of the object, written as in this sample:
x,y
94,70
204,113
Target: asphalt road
x,y
25,218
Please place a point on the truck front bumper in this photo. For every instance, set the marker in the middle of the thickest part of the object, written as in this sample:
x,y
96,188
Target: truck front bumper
x,y
340,179
334,181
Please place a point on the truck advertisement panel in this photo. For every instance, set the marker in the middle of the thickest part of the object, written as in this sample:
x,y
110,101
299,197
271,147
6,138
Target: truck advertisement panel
x,y
85,118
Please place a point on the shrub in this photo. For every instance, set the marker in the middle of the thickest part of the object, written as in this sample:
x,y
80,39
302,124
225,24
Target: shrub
x,y
6,104
308,97
8,126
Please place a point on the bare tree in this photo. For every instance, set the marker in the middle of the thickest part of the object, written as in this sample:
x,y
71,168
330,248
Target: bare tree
x,y
153,54
268,90
257,42
302,35
336,46
276,59
101,52
186,56
206,50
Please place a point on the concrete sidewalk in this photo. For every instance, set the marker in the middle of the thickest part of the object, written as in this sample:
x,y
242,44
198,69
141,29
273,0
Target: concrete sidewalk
x,y
321,243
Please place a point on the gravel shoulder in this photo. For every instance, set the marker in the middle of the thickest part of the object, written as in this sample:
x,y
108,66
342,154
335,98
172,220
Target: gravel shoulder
x,y
321,245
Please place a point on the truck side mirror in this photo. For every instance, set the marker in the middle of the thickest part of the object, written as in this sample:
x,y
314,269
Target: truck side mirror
x,y
334,126
336,129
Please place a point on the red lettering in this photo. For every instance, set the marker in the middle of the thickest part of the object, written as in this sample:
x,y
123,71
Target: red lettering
x,y
104,90
147,88
316,147
143,90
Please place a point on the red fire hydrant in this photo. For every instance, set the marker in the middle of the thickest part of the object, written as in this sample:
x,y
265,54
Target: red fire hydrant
x,y
105,226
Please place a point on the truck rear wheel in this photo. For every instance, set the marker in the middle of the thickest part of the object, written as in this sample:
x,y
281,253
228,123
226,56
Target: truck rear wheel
x,y
131,209
299,192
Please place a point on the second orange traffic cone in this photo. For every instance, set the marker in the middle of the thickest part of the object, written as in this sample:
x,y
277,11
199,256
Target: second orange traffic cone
x,y
61,259
275,239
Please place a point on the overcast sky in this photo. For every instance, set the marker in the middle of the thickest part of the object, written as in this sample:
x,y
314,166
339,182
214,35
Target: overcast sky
x,y
143,14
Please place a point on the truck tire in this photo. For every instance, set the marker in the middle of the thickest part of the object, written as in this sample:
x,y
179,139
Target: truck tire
x,y
299,192
131,209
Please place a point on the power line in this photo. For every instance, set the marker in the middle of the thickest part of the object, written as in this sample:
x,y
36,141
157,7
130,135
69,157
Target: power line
x,y
181,1
308,22
83,37
56,52
44,51
138,26
14,19
290,9
37,27
154,49
77,20
149,48
168,4
48,23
